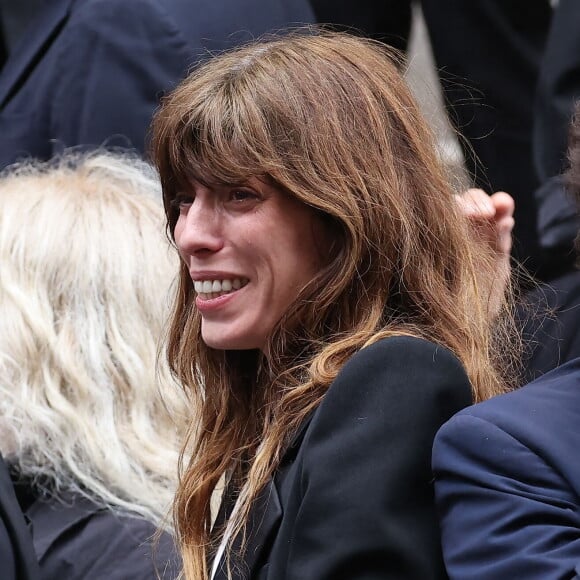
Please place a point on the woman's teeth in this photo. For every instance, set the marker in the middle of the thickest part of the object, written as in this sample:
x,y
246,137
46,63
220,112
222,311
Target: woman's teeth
x,y
208,289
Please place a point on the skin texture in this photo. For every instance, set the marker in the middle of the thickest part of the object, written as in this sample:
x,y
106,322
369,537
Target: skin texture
x,y
253,232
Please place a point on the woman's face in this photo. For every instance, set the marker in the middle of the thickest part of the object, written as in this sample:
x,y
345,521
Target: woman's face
x,y
249,250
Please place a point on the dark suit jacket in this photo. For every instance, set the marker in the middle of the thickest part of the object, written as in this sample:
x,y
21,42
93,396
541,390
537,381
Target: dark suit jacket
x,y
17,559
353,496
508,483
551,330
92,71
74,539
558,90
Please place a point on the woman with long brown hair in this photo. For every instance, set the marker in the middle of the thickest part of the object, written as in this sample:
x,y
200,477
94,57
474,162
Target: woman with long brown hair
x,y
333,311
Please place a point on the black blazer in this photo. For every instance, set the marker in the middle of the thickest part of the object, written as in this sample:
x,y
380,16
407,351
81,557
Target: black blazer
x,y
75,539
89,72
17,559
353,496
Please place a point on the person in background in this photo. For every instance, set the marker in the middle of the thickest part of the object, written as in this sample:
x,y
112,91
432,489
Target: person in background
x,y
89,428
555,339
91,72
507,479
510,78
386,20
334,309
489,69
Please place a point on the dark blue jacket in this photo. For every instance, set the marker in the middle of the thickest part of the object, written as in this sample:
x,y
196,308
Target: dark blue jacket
x,y
91,72
507,482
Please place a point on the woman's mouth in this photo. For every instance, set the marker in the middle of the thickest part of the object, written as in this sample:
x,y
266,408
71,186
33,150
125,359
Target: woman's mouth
x,y
210,289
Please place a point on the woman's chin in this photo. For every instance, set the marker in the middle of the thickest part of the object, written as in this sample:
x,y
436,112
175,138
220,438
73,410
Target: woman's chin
x,y
230,342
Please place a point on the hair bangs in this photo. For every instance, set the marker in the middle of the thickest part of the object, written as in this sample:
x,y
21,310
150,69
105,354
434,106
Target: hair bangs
x,y
216,139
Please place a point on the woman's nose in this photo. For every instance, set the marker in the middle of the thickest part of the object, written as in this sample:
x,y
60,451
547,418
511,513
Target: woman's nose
x,y
198,230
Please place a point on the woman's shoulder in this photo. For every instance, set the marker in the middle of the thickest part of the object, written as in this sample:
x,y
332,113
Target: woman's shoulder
x,y
405,348
406,361
400,374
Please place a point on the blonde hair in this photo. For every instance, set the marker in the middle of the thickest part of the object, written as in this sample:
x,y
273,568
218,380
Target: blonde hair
x,y
329,120
84,293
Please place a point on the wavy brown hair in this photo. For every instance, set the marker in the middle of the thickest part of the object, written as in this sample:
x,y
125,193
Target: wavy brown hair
x,y
328,119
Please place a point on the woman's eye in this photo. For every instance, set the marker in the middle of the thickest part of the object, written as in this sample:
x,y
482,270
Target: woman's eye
x,y
240,195
181,202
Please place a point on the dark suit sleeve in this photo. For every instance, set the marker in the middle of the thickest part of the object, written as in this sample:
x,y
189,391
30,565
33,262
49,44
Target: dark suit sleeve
x,y
117,59
505,512
367,506
17,558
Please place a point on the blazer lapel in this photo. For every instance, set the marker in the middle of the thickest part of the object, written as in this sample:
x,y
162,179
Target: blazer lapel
x,y
263,524
267,512
37,38
264,518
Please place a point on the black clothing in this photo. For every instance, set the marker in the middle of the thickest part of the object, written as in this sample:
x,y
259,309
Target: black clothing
x,y
74,539
353,495
386,20
17,558
488,53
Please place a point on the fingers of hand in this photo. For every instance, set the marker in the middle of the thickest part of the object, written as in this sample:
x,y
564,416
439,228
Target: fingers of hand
x,y
504,228
504,222
503,204
492,215
476,204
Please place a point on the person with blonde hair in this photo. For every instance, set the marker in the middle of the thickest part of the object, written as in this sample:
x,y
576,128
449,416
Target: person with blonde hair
x,y
334,308
91,430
